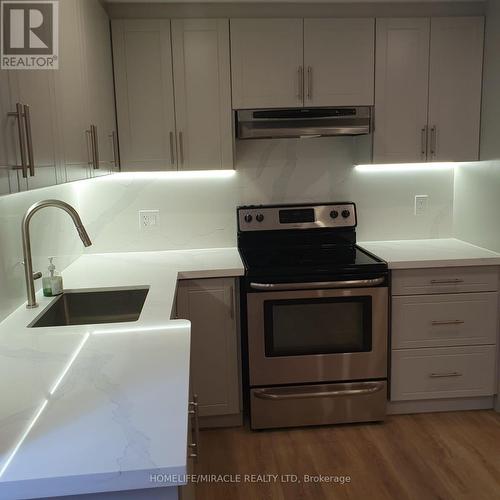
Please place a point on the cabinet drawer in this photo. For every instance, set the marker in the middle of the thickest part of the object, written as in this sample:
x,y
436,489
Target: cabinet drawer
x,y
444,320
446,372
444,280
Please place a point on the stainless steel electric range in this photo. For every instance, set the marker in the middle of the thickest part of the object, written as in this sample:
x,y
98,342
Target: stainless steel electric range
x,y
315,315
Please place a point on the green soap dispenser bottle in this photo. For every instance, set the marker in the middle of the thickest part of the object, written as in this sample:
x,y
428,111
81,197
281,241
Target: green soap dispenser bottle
x,y
52,284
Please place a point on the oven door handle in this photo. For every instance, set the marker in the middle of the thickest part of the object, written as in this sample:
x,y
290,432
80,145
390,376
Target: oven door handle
x,y
275,394
318,284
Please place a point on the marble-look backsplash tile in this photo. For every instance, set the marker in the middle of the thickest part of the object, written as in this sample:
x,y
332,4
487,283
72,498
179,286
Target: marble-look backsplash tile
x,y
200,212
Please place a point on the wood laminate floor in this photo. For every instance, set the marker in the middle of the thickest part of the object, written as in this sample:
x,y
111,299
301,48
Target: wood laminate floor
x,y
444,456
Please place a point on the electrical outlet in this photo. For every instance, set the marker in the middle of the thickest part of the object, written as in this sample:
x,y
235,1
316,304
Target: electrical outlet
x,y
149,219
421,202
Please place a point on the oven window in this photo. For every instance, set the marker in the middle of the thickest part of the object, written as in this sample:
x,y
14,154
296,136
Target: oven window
x,y
299,327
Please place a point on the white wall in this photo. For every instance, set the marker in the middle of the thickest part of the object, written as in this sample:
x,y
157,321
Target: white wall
x,y
52,233
477,204
477,187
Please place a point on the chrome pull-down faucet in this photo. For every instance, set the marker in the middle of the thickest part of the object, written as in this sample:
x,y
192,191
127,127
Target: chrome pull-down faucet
x,y
25,228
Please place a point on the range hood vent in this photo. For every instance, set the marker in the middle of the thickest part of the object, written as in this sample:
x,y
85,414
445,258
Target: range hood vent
x,y
303,122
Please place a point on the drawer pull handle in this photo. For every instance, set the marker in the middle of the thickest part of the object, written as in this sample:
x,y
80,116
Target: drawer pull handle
x,y
450,322
447,282
442,375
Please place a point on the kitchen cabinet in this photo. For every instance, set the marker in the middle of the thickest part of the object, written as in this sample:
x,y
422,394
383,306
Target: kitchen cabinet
x,y
280,63
203,115
71,87
444,333
267,63
210,305
62,105
456,68
160,129
8,139
339,62
36,89
144,94
100,86
423,90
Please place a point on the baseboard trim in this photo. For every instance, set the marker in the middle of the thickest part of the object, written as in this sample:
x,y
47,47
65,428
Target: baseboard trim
x,y
221,421
437,405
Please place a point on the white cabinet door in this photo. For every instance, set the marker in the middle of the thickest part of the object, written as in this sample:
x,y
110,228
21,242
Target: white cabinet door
x,y
210,306
72,96
202,82
401,90
267,63
100,88
144,94
36,88
9,139
456,67
339,62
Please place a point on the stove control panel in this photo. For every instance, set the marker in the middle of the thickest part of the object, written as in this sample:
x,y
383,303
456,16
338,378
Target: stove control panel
x,y
283,217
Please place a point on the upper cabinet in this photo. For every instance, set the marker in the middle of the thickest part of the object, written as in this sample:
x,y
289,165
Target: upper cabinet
x,y
428,89
295,62
456,68
202,85
59,125
36,148
160,129
144,94
100,86
267,63
339,62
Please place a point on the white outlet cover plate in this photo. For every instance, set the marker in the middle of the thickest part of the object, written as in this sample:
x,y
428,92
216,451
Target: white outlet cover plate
x,y
421,203
149,219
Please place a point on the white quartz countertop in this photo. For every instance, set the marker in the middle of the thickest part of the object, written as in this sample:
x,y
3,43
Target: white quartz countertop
x,y
97,408
448,252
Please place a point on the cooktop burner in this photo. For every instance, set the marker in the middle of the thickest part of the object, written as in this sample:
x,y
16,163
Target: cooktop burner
x,y
306,241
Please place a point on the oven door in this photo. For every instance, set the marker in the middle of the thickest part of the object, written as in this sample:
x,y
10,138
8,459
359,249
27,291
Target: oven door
x,y
317,335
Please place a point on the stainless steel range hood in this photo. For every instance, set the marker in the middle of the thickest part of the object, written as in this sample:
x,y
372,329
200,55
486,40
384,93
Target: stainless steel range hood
x,y
303,122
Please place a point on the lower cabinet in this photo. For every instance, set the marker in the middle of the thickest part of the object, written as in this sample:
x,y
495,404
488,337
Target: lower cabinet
x,y
444,335
210,305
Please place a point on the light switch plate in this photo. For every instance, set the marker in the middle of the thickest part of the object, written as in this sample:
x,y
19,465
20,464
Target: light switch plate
x,y
421,203
149,219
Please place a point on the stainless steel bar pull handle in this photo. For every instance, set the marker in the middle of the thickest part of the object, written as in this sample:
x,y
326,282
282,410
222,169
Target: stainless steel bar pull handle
x,y
18,114
309,82
195,444
451,281
116,150
300,87
276,394
448,322
433,142
172,147
443,375
181,147
318,285
29,140
423,142
95,142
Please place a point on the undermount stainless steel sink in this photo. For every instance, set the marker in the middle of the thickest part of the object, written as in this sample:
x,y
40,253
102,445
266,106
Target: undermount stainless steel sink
x,y
93,307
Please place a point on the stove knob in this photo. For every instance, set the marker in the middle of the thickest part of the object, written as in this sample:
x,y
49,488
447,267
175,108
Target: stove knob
x,y
248,218
259,217
334,214
345,213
